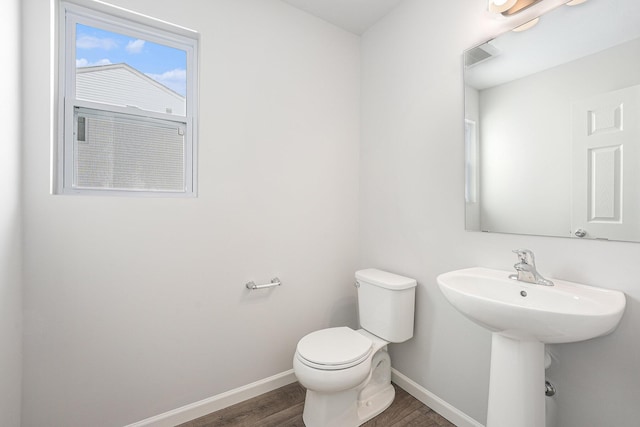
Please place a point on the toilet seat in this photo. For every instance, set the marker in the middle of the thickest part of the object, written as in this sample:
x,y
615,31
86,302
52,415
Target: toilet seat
x,y
334,348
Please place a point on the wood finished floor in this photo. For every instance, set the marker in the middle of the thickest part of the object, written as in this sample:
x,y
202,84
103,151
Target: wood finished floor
x,y
283,408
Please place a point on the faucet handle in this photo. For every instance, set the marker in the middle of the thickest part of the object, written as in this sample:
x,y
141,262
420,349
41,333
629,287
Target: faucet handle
x,y
526,268
524,255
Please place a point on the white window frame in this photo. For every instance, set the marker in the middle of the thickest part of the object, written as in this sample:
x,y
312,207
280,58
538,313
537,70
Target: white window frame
x,y
471,155
110,18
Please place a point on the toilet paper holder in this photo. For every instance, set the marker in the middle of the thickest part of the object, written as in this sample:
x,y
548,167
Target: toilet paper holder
x,y
274,282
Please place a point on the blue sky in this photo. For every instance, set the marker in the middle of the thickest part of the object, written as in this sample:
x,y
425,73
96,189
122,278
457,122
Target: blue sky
x,y
164,64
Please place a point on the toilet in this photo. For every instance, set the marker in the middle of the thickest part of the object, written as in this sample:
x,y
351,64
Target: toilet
x,y
347,373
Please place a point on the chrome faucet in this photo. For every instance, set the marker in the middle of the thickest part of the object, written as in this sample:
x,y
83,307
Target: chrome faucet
x,y
526,268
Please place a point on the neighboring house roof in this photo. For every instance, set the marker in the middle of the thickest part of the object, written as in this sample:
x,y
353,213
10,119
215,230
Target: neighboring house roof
x,y
121,84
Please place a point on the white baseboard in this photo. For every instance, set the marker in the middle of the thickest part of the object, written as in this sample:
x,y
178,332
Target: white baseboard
x,y
240,394
217,402
454,415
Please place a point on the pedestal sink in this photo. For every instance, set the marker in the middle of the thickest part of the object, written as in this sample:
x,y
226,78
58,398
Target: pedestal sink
x,y
523,317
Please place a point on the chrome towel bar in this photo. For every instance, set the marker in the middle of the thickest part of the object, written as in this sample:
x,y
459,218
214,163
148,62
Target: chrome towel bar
x,y
274,282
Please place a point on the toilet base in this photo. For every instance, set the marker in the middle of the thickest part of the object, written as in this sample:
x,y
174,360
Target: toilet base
x,y
375,404
331,409
343,409
353,407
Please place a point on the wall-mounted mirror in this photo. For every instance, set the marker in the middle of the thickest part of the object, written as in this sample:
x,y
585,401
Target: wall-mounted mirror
x,y
552,126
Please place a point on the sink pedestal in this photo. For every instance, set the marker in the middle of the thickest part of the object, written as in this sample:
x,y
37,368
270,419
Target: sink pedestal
x,y
516,383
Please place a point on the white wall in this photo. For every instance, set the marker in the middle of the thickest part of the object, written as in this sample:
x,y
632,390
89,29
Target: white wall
x,y
133,306
10,224
412,222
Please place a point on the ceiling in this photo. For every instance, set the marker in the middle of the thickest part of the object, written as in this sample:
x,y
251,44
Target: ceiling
x,y
355,16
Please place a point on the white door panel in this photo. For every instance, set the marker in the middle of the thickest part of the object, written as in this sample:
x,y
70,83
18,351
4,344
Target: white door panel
x,y
606,165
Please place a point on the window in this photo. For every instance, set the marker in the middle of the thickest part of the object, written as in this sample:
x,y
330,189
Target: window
x,y
127,104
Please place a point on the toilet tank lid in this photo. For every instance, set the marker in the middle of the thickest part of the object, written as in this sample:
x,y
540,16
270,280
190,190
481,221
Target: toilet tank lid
x,y
385,279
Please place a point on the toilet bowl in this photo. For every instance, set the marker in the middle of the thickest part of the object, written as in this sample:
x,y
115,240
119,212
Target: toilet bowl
x,y
332,360
347,373
347,383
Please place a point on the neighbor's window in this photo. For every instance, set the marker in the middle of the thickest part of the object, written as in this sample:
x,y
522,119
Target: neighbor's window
x,y
127,107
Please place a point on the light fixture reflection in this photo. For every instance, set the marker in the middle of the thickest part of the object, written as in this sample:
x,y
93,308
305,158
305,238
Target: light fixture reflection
x,y
499,6
527,25
510,7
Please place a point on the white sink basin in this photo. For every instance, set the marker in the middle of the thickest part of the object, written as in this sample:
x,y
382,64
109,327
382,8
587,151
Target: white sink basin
x,y
565,312
523,317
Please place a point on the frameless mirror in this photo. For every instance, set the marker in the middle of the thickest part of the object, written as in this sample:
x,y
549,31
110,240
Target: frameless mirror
x,y
552,126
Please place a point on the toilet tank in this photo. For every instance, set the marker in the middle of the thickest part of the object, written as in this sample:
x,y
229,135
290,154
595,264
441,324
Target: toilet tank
x,y
386,304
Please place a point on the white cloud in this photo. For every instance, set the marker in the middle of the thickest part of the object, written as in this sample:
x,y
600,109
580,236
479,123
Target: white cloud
x,y
135,46
175,80
82,62
89,42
